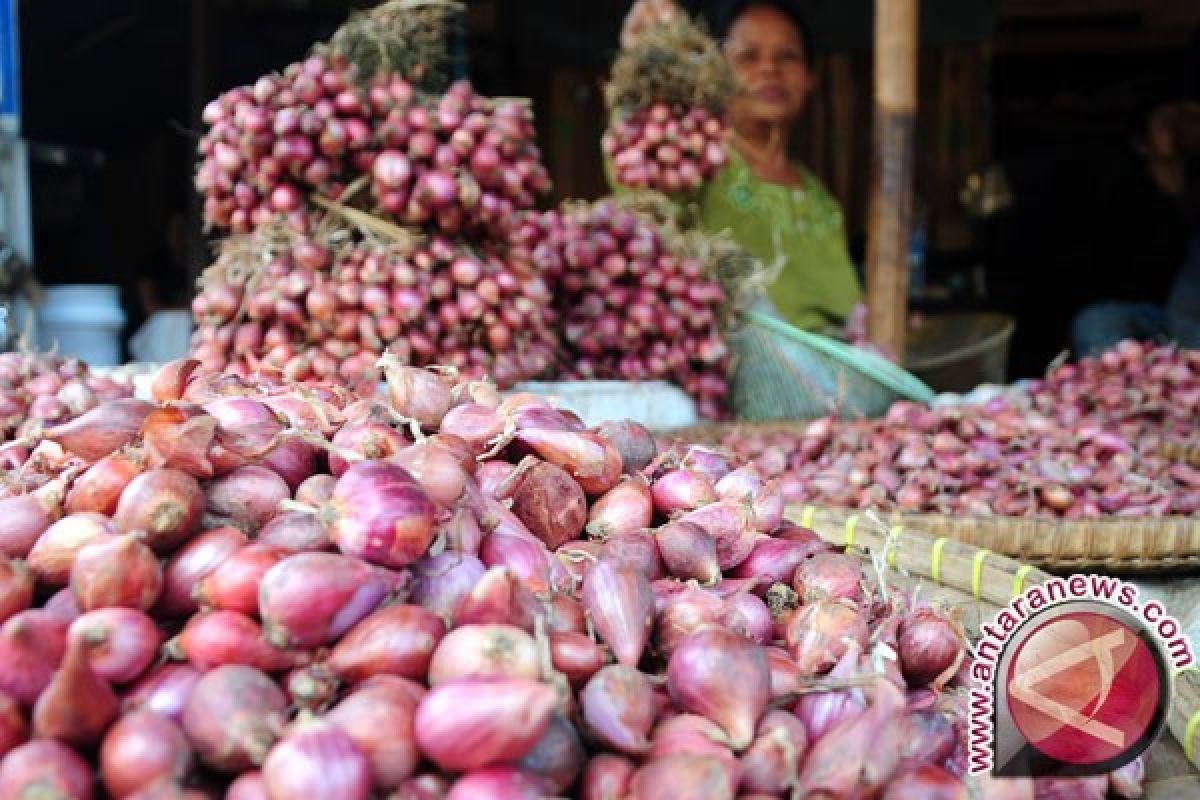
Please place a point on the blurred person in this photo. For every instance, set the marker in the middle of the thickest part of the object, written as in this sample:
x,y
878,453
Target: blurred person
x,y
162,278
1171,153
162,298
773,206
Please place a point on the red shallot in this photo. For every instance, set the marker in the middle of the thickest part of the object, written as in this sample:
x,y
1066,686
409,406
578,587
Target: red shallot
x,y
316,759
140,750
473,723
233,717
311,599
723,677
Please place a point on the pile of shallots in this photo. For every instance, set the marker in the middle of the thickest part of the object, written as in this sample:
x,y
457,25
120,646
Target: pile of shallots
x,y
326,304
1142,392
475,279
38,389
665,148
459,162
464,163
268,144
253,589
1086,442
666,97
634,305
322,293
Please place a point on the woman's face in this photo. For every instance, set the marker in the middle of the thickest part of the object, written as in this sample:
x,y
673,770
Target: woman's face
x,y
769,63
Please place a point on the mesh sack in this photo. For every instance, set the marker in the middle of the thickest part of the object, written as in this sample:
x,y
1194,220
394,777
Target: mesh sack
x,y
784,373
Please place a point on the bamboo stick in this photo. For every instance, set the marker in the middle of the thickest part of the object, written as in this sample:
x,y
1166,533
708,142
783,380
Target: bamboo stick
x,y
1125,545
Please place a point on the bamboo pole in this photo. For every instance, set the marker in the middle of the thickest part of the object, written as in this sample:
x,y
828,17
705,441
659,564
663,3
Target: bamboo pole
x,y
890,214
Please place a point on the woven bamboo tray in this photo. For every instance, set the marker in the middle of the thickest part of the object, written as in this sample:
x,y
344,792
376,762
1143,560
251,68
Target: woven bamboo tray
x,y
979,582
1117,545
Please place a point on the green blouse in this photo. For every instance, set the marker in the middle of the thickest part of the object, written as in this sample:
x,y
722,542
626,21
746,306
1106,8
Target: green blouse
x,y
817,286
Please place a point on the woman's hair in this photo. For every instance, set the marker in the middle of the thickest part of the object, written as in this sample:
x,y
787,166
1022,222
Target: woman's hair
x,y
727,13
1183,123
1189,152
1191,191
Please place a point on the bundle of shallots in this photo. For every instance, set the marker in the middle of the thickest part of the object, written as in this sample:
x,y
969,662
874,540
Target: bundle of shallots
x,y
326,304
463,163
459,162
268,145
666,96
373,204
636,305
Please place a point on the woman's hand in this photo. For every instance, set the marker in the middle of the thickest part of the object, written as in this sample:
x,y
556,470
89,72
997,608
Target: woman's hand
x,y
645,14
856,324
855,331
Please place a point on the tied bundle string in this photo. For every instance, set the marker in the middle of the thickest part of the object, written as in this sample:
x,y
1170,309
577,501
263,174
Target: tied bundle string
x,y
851,529
977,573
806,517
1019,579
893,544
407,37
675,62
935,568
937,555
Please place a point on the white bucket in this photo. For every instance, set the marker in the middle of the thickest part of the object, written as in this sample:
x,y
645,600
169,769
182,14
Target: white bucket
x,y
83,322
658,405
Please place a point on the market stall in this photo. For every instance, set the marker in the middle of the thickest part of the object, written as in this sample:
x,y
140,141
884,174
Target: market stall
x,y
389,531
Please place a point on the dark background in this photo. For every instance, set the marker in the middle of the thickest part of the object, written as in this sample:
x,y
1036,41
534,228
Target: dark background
x,y
1054,91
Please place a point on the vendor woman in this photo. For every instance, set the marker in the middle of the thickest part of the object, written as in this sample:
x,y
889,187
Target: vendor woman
x,y
771,204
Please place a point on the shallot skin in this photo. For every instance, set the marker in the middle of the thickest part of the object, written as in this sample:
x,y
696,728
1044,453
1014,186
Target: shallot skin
x,y
351,589
380,514
45,766
621,605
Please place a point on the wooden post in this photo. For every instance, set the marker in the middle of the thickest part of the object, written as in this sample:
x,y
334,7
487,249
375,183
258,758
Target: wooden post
x,y
891,200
